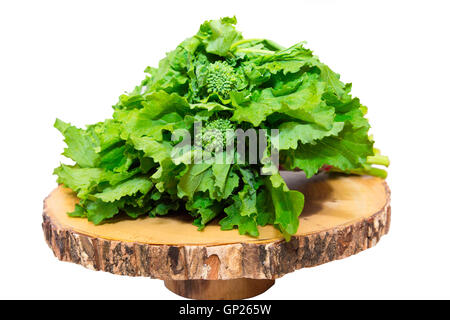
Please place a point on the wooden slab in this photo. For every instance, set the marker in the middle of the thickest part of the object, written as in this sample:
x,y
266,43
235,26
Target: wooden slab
x,y
343,215
234,289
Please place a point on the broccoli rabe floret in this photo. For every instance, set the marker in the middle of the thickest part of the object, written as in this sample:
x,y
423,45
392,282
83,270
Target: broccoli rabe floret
x,y
214,134
221,79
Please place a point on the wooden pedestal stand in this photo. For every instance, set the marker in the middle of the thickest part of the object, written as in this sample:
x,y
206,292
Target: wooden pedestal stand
x,y
343,215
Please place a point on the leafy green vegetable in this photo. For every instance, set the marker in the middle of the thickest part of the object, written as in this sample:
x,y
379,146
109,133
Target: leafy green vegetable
x,y
97,211
127,188
139,163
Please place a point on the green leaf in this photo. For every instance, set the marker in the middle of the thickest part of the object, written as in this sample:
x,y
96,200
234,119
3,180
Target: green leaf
x,y
245,224
347,151
304,104
127,188
138,124
162,112
159,151
85,180
210,106
106,134
81,145
79,212
163,208
296,52
332,80
248,201
116,159
170,76
159,103
288,205
220,172
218,35
98,211
266,211
207,183
231,184
191,180
293,132
205,208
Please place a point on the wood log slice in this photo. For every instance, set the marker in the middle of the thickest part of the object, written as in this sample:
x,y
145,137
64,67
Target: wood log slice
x,y
234,289
343,215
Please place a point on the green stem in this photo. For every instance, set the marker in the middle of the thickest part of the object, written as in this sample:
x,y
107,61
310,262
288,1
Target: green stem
x,y
378,159
248,50
238,43
376,172
274,45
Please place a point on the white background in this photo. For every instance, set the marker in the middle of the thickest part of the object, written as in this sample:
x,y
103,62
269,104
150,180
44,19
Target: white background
x,y
72,59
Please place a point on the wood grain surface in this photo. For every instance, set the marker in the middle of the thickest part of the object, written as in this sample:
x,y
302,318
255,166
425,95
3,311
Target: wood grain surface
x,y
343,215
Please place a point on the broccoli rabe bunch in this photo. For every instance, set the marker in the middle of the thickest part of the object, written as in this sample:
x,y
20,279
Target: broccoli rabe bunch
x,y
132,164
